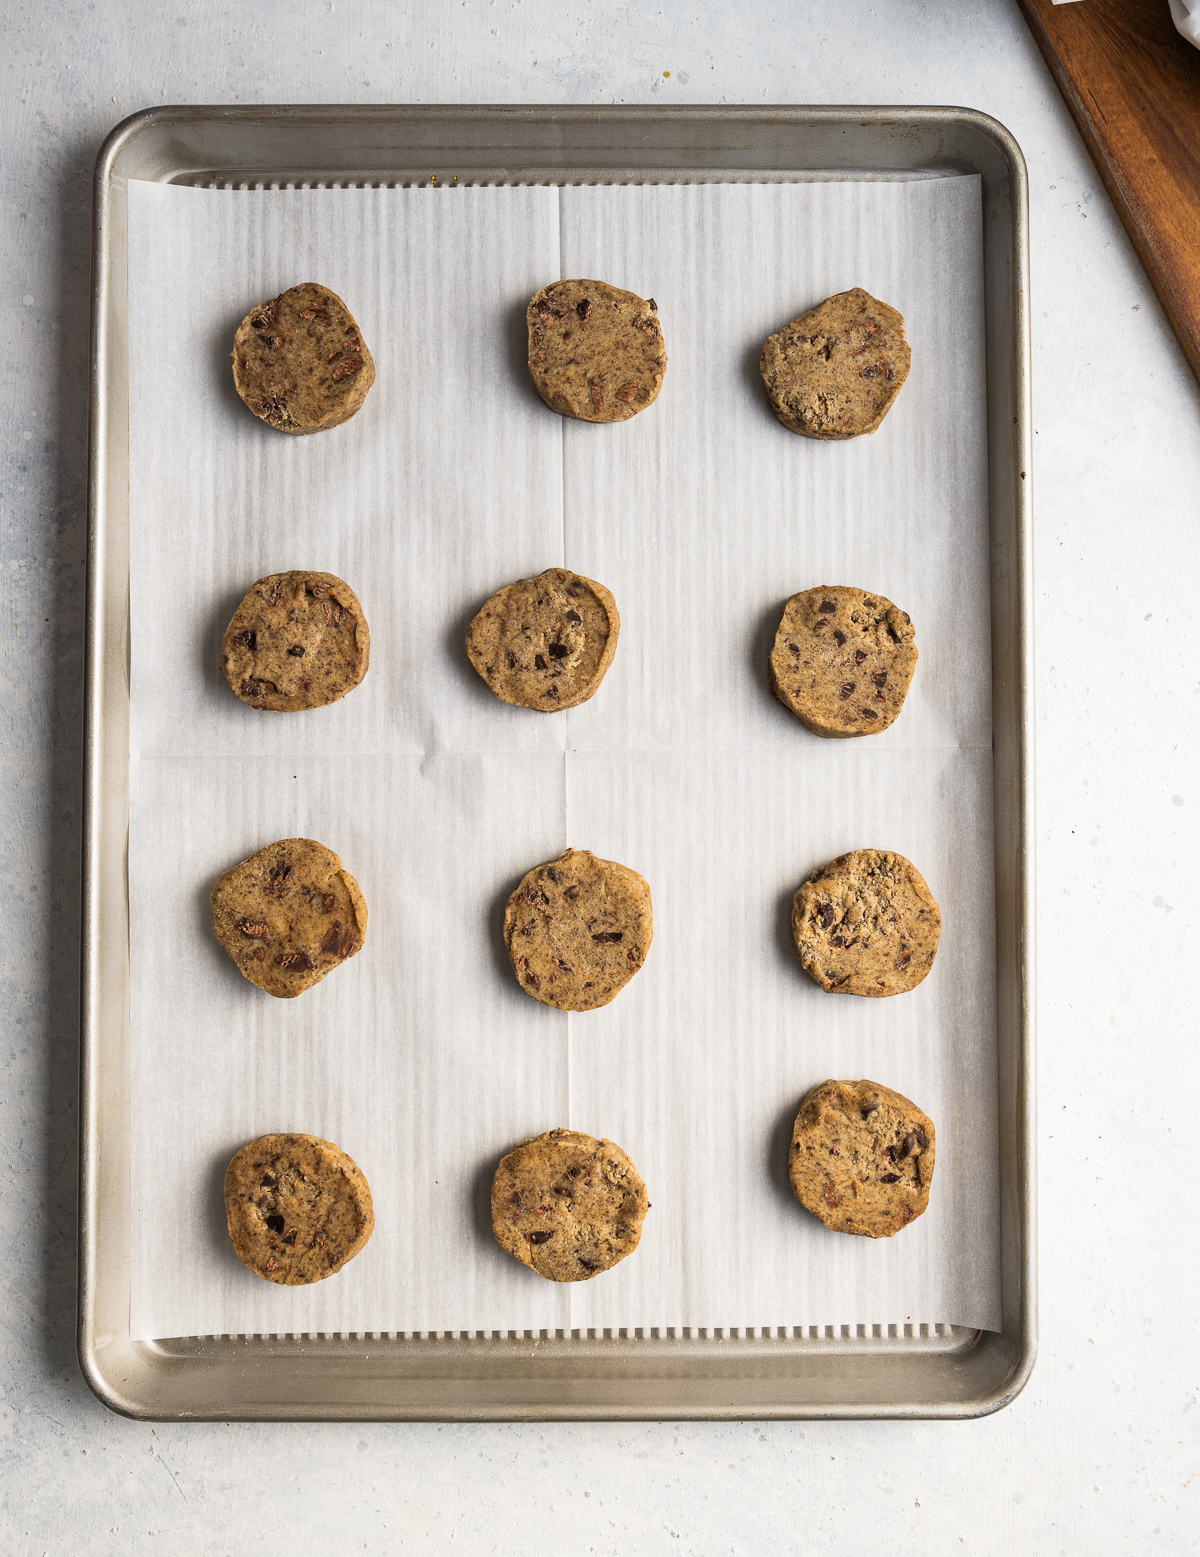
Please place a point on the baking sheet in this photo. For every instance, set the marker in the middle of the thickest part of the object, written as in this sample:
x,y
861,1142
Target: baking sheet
x,y
421,1057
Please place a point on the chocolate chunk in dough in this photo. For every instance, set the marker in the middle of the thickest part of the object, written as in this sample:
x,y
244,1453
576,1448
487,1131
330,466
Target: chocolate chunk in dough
x,y
289,915
834,372
568,1205
866,924
843,660
297,1208
298,640
596,353
545,642
577,930
861,1158
299,361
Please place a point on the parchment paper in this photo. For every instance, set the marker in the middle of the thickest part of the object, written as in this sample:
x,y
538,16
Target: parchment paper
x,y
421,1057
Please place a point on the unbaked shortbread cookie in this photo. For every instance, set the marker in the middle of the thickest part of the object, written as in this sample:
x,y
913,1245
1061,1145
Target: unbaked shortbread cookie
x,y
861,1158
843,660
299,361
545,642
577,930
595,352
866,924
298,640
834,372
568,1205
289,915
297,1208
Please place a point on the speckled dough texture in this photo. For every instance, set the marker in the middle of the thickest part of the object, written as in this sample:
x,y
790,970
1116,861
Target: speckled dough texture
x,y
843,660
296,1207
567,1205
861,1158
297,641
545,642
299,361
866,924
289,915
835,371
596,353
577,929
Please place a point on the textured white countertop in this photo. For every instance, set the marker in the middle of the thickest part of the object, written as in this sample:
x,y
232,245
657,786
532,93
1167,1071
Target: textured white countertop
x,y
1101,1454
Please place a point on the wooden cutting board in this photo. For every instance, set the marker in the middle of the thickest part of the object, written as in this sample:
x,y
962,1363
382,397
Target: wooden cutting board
x,y
1133,86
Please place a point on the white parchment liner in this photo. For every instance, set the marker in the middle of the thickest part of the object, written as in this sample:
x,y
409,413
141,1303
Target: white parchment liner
x,y
421,1057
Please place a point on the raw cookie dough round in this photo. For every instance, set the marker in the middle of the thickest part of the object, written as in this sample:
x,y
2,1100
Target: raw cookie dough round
x,y
289,915
299,361
866,924
568,1205
834,372
297,1208
843,660
545,642
861,1158
298,640
595,352
577,930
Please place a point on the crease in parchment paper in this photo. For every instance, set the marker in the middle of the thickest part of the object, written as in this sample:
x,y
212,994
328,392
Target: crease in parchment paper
x,y
421,1057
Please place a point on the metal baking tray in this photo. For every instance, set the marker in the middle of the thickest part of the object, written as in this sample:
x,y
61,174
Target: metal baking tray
x,y
844,1371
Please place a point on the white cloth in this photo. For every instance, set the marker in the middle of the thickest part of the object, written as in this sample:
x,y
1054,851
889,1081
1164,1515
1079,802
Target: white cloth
x,y
1186,14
